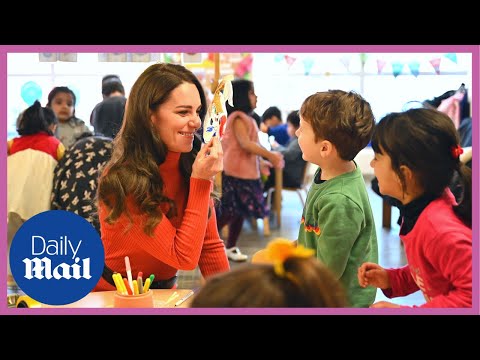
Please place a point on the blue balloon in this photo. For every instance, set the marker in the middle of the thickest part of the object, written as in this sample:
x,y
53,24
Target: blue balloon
x,y
30,92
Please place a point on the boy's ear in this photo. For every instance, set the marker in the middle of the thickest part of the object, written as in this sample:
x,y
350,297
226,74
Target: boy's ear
x,y
326,147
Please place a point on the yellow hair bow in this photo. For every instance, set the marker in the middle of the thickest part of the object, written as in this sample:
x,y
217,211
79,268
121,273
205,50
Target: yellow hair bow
x,y
277,251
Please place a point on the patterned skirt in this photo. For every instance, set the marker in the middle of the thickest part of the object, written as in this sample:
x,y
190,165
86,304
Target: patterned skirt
x,y
240,196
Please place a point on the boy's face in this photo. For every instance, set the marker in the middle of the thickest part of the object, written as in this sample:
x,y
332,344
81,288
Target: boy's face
x,y
306,141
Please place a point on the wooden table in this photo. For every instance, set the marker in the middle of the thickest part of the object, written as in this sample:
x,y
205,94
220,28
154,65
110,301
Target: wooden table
x,y
162,298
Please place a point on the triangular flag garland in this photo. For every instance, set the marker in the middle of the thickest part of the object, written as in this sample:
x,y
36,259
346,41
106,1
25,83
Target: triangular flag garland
x,y
452,56
279,57
363,58
345,60
436,64
290,60
397,68
307,65
380,65
414,68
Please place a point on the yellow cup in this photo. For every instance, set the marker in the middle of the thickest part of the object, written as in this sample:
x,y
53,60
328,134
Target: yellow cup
x,y
144,300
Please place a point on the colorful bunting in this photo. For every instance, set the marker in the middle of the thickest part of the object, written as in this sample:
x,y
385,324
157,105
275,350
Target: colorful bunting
x,y
278,58
436,64
346,61
414,68
397,68
290,60
307,65
452,56
363,58
380,65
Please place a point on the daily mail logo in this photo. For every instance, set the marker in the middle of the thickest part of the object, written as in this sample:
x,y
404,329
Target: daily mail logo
x,y
57,257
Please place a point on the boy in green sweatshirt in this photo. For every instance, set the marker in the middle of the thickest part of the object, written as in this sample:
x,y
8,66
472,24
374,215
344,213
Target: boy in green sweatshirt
x,y
337,220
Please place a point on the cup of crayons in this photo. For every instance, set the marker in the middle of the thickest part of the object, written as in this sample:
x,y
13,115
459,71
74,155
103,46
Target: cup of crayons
x,y
132,293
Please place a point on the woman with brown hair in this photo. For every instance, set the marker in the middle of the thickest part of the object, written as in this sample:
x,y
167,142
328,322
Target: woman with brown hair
x,y
154,198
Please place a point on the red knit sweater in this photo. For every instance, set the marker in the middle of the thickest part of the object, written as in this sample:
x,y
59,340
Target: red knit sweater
x,y
181,243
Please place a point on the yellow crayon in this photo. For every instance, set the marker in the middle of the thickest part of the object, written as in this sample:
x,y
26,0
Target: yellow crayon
x,y
135,287
122,284
146,286
117,285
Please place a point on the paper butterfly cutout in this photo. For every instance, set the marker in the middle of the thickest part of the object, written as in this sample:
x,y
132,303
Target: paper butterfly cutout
x,y
216,117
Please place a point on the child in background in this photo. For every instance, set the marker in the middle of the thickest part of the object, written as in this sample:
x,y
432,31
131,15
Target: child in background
x,y
31,159
292,154
416,155
273,125
288,277
62,100
337,220
242,189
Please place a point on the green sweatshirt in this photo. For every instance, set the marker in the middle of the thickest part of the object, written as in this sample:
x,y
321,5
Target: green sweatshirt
x,y
337,222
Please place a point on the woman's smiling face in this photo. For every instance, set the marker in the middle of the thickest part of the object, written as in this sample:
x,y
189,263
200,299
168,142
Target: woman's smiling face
x,y
177,119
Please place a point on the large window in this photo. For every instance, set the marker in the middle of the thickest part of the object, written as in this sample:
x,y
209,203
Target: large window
x,y
387,81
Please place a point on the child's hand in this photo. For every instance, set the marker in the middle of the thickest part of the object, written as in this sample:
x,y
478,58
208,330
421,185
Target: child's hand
x,y
265,167
374,275
384,304
276,158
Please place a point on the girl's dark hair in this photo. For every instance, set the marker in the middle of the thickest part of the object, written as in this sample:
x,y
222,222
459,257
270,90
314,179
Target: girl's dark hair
x,y
311,284
138,151
423,140
36,119
241,101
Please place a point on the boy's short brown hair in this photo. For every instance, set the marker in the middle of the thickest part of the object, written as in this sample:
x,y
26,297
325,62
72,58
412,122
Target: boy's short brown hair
x,y
343,118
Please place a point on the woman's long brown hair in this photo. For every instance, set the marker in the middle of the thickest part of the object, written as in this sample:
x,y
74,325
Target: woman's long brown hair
x,y
138,151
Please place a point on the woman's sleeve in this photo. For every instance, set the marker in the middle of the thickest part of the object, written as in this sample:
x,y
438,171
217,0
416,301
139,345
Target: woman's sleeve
x,y
213,258
179,248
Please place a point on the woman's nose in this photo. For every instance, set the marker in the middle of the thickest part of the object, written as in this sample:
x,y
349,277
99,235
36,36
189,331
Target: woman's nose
x,y
195,122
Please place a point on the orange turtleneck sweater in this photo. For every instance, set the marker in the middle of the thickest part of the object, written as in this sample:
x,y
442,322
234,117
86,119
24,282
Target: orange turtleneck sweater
x,y
181,243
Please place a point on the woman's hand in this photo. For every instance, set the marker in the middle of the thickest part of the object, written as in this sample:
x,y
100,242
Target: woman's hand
x,y
384,304
374,275
209,160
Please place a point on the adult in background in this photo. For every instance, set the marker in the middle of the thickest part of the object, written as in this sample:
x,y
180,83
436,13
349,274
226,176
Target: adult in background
x,y
107,116
76,177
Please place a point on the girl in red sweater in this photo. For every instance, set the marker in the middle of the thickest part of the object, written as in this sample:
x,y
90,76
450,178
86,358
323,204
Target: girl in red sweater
x,y
417,154
154,197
